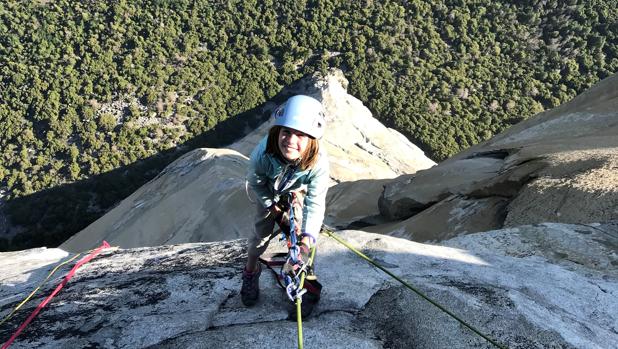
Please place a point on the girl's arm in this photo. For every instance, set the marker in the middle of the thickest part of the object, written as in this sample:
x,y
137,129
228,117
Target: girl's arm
x,y
315,200
256,174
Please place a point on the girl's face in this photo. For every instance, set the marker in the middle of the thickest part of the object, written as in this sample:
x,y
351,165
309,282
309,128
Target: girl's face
x,y
292,143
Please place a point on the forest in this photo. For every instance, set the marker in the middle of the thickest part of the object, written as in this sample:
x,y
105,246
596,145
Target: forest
x,y
93,89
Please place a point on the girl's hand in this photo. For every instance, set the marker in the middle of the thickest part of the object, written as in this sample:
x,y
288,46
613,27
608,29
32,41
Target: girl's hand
x,y
304,251
306,240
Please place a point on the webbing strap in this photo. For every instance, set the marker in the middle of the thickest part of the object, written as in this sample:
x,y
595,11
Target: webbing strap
x,y
282,181
274,260
68,277
331,234
293,247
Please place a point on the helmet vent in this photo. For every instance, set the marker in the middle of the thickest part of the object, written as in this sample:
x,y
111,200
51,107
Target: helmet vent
x,y
278,113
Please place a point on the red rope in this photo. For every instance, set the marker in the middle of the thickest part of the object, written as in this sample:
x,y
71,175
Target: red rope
x,y
49,298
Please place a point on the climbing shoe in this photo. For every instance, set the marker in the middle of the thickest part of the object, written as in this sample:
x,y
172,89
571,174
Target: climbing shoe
x,y
250,291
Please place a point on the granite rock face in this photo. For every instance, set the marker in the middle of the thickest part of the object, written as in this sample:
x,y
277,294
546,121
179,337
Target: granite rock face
x,y
190,200
547,279
358,145
558,166
547,285
202,196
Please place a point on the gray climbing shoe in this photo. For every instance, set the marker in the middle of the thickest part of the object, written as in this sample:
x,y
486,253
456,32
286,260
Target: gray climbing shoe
x,y
250,291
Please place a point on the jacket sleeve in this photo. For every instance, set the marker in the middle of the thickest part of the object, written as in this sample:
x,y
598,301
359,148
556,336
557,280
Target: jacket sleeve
x,y
315,200
257,174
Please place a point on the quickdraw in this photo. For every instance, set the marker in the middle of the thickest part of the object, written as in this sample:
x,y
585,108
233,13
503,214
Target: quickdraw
x,y
291,278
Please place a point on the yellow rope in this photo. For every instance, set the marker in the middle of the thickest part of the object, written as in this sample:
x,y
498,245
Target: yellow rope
x,y
299,317
332,234
38,287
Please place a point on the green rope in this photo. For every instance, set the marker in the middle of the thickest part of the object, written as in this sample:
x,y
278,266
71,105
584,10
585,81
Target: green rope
x,y
332,235
299,317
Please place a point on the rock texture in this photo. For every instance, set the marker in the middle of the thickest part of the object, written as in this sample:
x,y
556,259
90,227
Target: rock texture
x,y
199,197
202,196
558,166
358,145
549,285
446,219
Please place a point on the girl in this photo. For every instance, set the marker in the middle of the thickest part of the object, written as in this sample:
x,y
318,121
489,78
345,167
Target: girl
x,y
288,175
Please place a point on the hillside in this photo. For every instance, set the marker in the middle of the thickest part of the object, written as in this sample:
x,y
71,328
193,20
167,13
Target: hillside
x,y
516,236
99,97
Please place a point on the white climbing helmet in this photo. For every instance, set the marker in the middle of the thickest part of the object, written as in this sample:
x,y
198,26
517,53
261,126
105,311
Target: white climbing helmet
x,y
302,113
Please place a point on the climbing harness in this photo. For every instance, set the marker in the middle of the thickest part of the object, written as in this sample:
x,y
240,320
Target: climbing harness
x,y
288,277
290,280
282,181
68,277
294,291
293,270
331,234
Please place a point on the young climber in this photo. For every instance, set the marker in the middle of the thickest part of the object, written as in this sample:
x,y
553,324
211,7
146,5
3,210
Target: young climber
x,y
288,174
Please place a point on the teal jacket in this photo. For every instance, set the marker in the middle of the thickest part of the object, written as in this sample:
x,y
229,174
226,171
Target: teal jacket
x,y
264,171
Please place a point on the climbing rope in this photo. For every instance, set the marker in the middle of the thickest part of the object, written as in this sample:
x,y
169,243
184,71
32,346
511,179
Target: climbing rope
x,y
299,300
8,317
294,284
331,234
68,277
